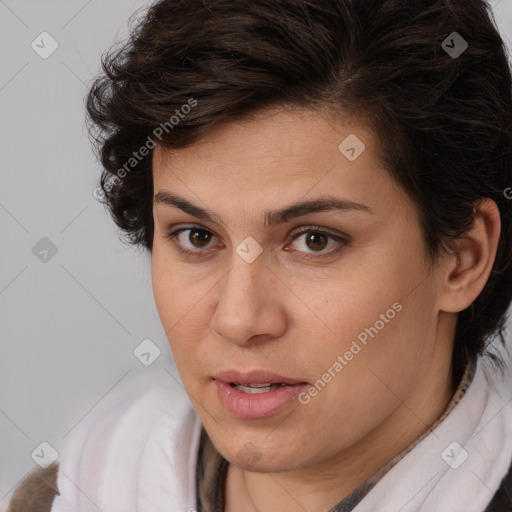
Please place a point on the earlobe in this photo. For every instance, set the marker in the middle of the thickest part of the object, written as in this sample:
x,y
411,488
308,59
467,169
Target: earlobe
x,y
470,265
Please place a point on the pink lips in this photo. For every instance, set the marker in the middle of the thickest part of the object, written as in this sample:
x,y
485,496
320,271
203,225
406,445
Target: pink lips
x,y
256,406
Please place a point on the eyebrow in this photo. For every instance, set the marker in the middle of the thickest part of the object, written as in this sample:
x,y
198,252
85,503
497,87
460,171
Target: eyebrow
x,y
272,218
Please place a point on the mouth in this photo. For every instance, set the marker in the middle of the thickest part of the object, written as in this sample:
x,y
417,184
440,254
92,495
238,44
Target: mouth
x,y
257,388
256,394
256,381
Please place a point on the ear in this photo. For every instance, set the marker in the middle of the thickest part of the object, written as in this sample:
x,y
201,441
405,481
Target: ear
x,y
469,266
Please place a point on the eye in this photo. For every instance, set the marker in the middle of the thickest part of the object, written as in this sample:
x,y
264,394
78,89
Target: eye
x,y
198,238
318,240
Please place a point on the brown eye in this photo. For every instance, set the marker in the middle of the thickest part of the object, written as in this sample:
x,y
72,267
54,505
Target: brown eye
x,y
199,237
313,240
317,241
191,241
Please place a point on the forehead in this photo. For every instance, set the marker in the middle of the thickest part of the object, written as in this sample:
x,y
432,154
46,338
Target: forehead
x,y
274,141
276,157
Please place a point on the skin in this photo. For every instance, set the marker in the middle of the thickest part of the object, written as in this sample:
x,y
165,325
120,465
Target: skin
x,y
294,316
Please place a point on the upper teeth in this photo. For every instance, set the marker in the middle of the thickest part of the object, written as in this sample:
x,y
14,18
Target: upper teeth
x,y
258,387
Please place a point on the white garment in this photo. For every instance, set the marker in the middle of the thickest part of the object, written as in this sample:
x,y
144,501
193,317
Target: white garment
x,y
138,453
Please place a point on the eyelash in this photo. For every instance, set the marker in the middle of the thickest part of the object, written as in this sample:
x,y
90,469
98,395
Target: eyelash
x,y
172,236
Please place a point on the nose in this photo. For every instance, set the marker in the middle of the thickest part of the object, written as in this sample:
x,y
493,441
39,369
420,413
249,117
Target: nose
x,y
250,305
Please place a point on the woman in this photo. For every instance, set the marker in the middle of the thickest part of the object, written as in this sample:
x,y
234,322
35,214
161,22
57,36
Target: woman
x,y
323,190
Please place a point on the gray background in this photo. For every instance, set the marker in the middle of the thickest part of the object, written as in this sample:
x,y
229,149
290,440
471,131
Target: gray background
x,y
68,325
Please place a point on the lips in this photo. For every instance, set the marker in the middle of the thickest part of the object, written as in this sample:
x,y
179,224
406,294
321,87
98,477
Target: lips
x,y
255,377
254,389
256,394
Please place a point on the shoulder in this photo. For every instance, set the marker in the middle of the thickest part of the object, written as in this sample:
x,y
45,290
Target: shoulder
x,y
129,410
113,454
36,492
95,450
502,500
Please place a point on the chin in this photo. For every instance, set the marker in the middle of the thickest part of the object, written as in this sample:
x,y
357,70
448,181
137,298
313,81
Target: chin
x,y
261,457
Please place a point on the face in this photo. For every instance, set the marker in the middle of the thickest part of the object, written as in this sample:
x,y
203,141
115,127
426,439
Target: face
x,y
336,305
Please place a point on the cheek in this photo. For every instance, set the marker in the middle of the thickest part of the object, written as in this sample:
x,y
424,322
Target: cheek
x,y
164,286
181,303
170,292
384,350
173,289
377,332
359,306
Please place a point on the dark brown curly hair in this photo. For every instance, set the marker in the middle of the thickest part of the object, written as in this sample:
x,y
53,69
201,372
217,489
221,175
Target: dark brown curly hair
x,y
443,118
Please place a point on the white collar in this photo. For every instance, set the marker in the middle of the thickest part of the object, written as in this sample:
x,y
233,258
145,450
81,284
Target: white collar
x,y
140,454
434,476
